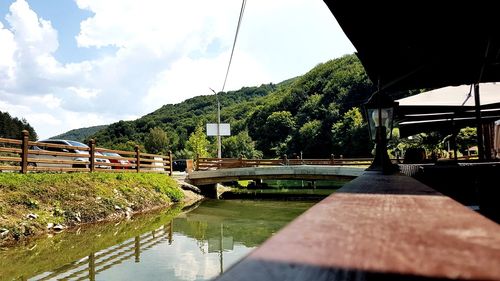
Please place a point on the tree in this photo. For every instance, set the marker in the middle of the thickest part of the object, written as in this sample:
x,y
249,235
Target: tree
x,y
12,127
157,141
350,135
277,130
198,143
240,145
466,138
308,138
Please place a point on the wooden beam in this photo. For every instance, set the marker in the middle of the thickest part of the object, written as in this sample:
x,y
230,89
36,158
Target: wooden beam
x,y
379,227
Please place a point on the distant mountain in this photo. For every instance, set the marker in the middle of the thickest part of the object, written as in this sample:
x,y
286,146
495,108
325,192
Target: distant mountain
x,y
12,127
80,134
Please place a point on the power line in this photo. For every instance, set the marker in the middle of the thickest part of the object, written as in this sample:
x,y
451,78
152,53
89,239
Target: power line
x,y
243,4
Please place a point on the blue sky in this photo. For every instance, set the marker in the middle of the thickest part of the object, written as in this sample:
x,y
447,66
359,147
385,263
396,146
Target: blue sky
x,y
65,17
66,64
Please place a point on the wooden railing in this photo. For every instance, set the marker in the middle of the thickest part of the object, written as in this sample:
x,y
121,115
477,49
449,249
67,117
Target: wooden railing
x,y
25,155
227,163
379,227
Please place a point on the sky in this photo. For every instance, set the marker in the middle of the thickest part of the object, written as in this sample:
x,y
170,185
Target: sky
x,y
67,64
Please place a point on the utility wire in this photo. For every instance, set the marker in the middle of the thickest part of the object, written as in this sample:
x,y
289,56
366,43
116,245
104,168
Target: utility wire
x,y
243,4
468,95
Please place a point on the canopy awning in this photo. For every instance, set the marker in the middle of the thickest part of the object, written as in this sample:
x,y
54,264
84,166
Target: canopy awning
x,y
447,109
415,45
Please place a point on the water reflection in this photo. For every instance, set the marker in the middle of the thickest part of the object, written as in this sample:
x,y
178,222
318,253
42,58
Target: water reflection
x,y
197,245
97,262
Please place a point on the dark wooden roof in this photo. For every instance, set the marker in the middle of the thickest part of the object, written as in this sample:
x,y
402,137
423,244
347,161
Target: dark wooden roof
x,y
418,44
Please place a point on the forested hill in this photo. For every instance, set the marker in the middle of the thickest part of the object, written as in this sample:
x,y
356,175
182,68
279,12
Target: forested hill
x,y
315,114
12,127
180,120
80,134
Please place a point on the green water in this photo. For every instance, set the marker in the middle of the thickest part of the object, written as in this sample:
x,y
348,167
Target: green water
x,y
173,245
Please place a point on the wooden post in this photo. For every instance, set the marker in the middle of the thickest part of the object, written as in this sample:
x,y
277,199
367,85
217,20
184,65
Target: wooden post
x,y
24,152
91,266
170,161
332,159
479,126
487,141
197,164
92,155
171,232
241,161
137,249
137,159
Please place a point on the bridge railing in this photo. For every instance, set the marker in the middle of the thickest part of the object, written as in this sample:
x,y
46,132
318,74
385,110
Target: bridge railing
x,y
227,163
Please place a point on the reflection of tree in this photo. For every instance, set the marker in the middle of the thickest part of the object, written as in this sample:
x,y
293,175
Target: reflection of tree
x,y
250,223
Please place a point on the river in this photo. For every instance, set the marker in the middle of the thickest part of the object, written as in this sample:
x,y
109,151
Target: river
x,y
175,245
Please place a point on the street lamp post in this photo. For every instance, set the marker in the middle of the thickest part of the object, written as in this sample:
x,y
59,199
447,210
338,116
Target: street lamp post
x,y
379,111
219,145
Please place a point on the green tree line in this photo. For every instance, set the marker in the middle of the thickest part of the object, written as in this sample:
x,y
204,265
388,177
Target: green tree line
x,y
12,127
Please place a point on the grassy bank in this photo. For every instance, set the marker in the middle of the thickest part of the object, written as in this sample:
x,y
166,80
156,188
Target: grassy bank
x,y
34,203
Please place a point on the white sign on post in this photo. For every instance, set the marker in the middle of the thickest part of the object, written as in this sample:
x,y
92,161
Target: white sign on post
x,y
224,128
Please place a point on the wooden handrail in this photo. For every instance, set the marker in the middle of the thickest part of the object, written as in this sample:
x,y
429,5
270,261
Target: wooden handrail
x,y
54,145
379,227
101,149
10,141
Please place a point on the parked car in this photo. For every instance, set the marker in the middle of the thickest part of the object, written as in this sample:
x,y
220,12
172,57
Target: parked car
x,y
119,161
80,158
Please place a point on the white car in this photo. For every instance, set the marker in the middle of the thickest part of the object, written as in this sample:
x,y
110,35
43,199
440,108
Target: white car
x,y
58,157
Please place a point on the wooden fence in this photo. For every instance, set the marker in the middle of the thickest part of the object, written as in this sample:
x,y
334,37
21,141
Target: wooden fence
x,y
25,155
226,163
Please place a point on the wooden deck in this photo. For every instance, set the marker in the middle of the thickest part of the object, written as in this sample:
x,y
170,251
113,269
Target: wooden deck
x,y
379,227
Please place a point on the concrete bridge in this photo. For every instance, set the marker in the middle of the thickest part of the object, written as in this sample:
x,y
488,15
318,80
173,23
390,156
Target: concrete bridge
x,y
306,172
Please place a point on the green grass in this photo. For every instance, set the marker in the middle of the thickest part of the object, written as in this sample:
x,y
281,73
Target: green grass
x,y
72,198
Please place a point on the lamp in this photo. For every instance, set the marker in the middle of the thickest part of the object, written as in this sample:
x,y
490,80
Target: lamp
x,y
379,110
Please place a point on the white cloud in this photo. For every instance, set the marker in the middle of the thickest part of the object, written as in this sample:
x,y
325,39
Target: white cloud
x,y
166,51
84,92
170,85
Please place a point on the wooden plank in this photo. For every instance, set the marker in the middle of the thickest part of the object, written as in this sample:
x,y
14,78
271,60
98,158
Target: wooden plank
x,y
116,170
10,150
131,165
101,149
382,226
42,144
57,169
153,171
10,141
55,153
7,158
153,166
153,155
10,168
153,161
115,157
56,161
